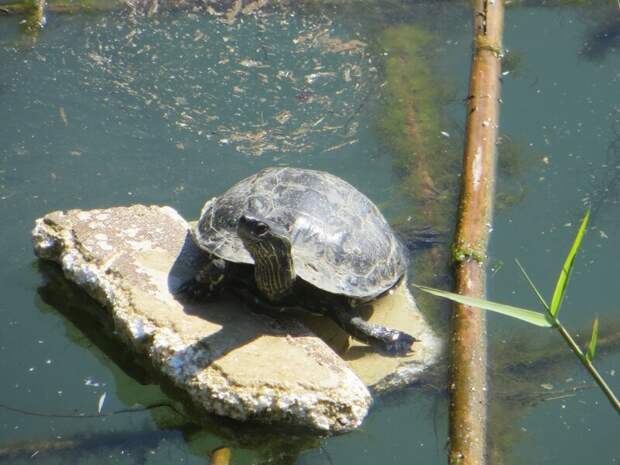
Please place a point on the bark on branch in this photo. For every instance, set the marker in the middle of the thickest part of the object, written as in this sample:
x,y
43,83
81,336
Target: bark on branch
x,y
468,410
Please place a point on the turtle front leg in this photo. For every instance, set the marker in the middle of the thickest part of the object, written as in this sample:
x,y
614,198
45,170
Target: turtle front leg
x,y
389,341
208,282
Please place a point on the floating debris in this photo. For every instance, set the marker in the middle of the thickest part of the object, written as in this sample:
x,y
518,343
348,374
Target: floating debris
x,y
311,78
309,92
101,402
252,64
336,45
339,146
283,116
323,40
231,14
63,116
253,6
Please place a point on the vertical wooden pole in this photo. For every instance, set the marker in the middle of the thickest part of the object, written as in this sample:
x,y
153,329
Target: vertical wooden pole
x,y
468,387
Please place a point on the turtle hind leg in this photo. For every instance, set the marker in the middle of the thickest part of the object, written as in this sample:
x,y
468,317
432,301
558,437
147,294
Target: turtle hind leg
x,y
207,283
386,340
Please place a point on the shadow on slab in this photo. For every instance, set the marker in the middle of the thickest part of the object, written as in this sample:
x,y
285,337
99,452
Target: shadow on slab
x,y
239,315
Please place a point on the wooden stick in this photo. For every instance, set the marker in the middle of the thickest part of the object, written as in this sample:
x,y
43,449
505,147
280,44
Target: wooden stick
x,y
220,456
468,410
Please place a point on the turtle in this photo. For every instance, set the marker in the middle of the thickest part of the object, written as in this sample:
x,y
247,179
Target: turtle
x,y
301,238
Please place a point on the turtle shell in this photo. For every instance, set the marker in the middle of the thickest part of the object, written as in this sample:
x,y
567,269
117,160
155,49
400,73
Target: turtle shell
x,y
341,242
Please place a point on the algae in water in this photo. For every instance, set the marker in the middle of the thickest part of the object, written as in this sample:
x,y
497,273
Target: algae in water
x,y
413,127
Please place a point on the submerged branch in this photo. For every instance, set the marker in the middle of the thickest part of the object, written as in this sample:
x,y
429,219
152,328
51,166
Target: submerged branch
x,y
90,442
588,365
91,415
519,357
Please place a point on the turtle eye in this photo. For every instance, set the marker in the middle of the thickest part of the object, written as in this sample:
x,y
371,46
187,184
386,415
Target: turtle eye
x,y
261,229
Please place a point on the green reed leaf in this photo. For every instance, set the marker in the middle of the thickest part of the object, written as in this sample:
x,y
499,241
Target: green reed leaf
x,y
532,285
529,316
560,287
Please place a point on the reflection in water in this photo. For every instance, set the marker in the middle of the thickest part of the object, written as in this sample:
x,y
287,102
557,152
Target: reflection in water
x,y
603,36
605,192
527,373
200,434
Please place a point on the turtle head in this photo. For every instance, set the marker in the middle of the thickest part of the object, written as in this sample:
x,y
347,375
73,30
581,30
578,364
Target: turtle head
x,y
269,245
255,230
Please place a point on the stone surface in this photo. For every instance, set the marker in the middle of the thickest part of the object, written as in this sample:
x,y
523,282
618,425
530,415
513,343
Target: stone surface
x,y
383,373
228,359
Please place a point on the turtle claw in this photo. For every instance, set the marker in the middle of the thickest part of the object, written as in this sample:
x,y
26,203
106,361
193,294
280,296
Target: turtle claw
x,y
396,343
386,340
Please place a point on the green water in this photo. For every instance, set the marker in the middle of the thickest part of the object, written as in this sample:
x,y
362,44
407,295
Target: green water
x,y
107,110
562,108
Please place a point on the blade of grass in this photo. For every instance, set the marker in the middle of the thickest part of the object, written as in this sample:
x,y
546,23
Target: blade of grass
x,y
592,345
531,283
560,287
523,314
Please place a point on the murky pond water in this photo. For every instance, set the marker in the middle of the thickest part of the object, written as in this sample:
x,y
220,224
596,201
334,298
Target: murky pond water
x,y
561,108
106,109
